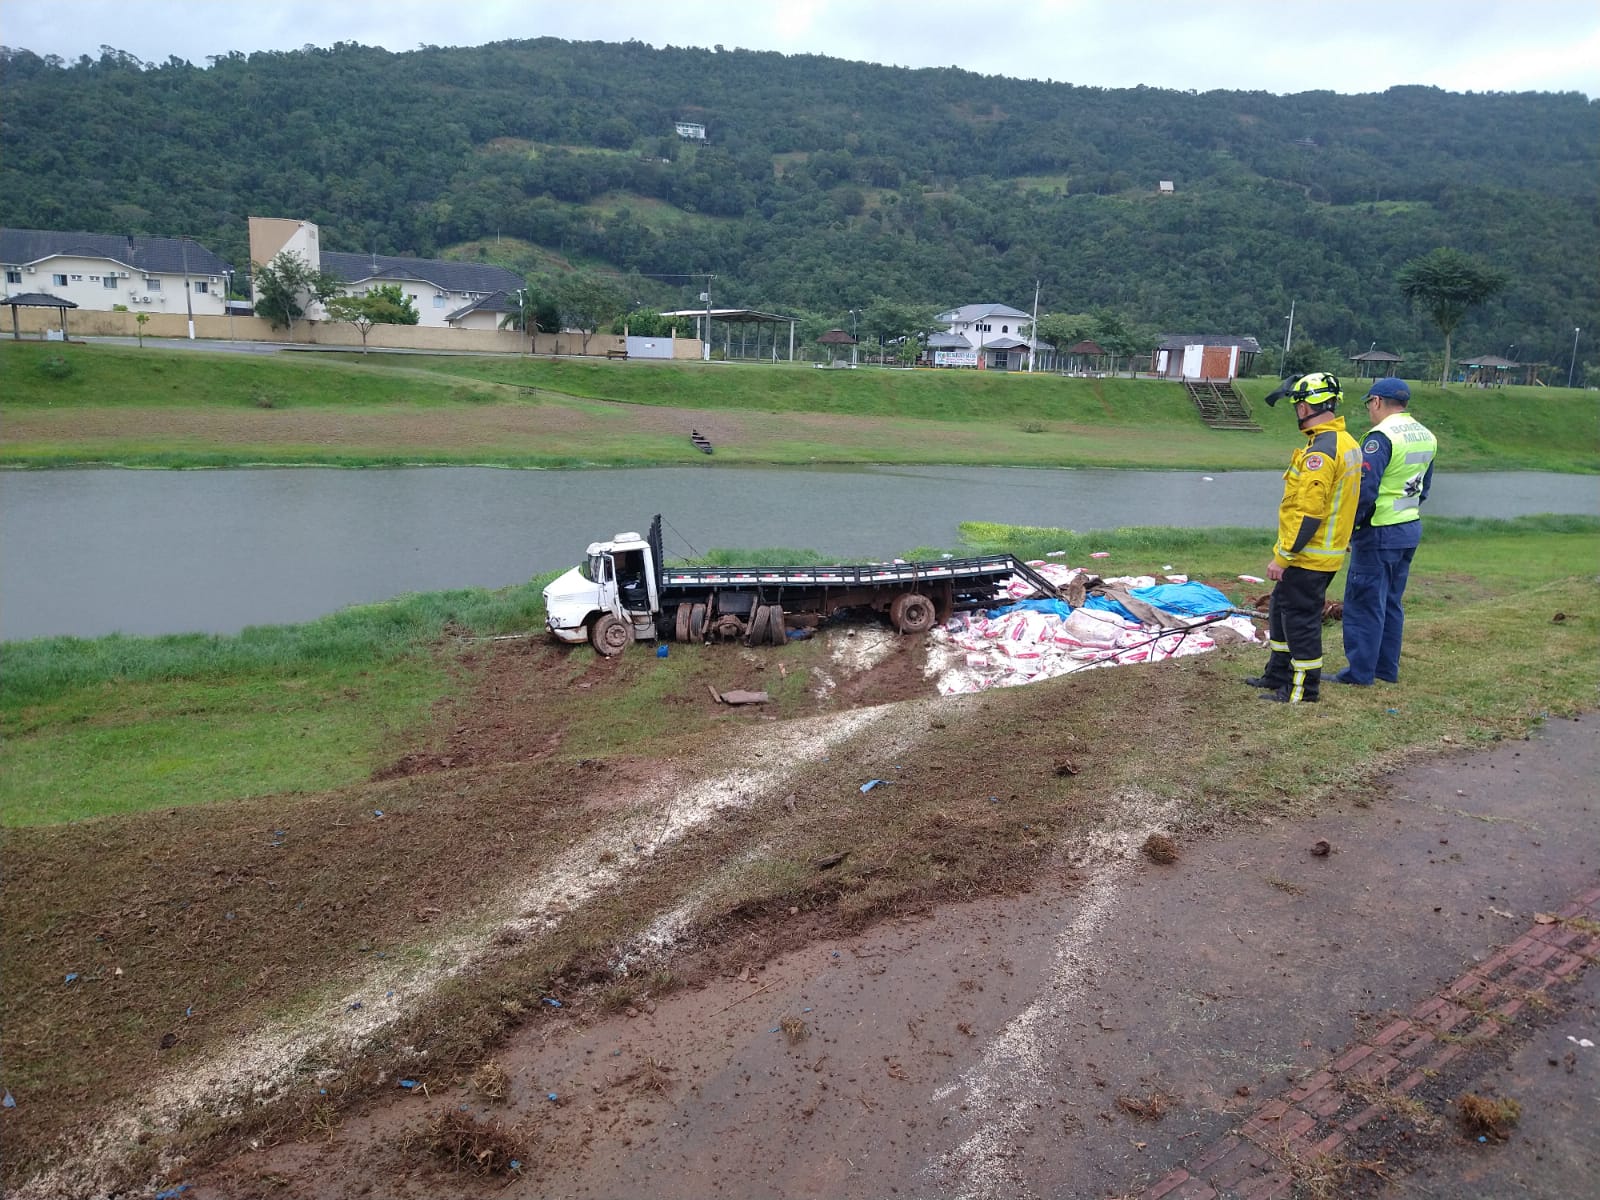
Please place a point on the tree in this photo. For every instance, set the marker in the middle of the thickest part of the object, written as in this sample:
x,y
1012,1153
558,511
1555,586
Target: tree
x,y
287,286
588,301
1065,329
1119,336
532,311
1446,283
141,320
385,305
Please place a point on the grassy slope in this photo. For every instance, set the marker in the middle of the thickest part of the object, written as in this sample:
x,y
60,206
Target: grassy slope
x,y
206,409
124,724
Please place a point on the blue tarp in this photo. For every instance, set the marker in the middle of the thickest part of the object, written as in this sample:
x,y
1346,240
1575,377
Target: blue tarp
x,y
1059,607
1190,599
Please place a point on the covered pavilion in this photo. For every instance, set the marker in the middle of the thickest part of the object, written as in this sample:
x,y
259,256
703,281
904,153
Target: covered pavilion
x,y
37,300
1375,364
744,318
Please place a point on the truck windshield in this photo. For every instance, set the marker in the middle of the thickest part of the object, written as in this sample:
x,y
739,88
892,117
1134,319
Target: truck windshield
x,y
595,568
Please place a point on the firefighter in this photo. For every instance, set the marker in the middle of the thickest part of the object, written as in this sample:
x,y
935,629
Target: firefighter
x,y
1318,511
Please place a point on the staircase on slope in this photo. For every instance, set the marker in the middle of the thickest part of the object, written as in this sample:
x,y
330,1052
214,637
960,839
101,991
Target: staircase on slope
x,y
1220,405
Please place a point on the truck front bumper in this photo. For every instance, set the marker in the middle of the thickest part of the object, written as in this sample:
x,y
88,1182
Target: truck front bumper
x,y
565,633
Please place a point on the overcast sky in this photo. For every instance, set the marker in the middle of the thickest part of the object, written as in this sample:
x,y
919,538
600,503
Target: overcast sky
x,y
1270,45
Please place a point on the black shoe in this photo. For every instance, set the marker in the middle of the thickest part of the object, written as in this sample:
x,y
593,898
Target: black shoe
x,y
1259,681
1281,696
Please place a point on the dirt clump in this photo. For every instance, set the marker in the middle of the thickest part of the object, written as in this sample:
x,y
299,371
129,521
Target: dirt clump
x,y
1483,1116
1159,848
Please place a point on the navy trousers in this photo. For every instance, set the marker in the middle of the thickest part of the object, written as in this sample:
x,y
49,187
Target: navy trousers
x,y
1373,617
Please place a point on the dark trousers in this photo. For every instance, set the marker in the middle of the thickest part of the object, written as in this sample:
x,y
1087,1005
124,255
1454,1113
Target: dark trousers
x,y
1294,627
1373,618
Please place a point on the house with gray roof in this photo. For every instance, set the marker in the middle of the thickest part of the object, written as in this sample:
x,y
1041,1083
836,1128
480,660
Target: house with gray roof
x,y
100,271
444,293
988,335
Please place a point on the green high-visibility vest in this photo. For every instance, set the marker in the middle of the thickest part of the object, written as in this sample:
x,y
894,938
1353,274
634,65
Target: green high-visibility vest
x,y
1411,450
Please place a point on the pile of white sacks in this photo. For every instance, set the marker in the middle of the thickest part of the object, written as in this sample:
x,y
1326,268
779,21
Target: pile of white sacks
x,y
1038,639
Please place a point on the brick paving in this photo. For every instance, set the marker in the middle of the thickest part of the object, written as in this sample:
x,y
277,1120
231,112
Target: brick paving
x,y
1303,1128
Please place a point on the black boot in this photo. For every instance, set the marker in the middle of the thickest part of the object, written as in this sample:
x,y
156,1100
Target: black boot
x,y
1281,696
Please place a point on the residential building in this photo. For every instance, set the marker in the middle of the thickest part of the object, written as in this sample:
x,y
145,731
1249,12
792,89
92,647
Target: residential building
x,y
444,293
691,131
103,271
987,335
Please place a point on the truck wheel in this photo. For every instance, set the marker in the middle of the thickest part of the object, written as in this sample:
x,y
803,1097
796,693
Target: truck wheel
x,y
680,628
610,635
755,633
911,612
697,622
776,632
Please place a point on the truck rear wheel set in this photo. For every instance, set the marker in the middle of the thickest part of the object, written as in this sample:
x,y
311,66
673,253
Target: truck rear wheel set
x,y
912,612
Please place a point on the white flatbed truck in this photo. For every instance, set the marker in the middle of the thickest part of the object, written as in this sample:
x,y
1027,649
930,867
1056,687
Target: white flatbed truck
x,y
623,592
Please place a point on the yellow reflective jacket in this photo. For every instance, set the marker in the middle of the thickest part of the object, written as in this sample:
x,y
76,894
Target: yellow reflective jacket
x,y
1320,492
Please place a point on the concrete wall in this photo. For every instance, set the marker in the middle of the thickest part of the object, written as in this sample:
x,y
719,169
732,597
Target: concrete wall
x,y
33,322
601,344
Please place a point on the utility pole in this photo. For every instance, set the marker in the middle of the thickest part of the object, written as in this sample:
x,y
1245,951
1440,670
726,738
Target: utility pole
x,y
1283,367
1033,336
227,301
1570,366
188,298
706,296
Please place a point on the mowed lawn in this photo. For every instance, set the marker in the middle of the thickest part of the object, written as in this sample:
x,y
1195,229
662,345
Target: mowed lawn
x,y
160,407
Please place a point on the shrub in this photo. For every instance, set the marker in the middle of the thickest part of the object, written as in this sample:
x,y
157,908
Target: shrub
x,y
56,367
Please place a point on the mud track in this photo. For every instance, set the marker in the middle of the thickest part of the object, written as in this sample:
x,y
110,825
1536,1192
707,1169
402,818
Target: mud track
x,y
956,977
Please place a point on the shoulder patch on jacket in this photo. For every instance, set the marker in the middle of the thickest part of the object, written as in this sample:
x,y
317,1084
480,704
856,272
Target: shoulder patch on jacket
x,y
1372,446
1314,462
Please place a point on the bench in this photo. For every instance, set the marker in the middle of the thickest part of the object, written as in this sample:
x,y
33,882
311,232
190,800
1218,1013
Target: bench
x,y
616,354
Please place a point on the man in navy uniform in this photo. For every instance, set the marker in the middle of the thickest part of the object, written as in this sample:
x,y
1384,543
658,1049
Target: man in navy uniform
x,y
1396,473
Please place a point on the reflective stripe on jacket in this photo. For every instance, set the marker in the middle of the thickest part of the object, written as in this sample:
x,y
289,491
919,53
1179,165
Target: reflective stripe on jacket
x,y
1403,486
1322,485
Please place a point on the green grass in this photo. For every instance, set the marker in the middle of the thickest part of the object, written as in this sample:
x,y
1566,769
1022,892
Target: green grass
x,y
129,377
122,724
139,746
989,418
119,724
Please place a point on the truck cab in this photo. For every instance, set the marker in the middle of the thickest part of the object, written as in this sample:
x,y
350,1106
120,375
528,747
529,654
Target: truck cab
x,y
611,598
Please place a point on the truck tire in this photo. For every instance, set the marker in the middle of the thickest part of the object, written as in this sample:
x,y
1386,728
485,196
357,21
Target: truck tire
x,y
610,634
697,622
777,632
680,627
912,612
755,633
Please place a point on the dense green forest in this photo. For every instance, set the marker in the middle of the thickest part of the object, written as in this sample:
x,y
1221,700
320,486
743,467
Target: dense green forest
x,y
827,185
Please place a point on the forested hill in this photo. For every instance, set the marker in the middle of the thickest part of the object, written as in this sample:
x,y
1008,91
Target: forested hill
x,y
826,185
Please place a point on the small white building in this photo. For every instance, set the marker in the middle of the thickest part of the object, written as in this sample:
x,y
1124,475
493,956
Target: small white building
x,y
100,271
691,131
444,293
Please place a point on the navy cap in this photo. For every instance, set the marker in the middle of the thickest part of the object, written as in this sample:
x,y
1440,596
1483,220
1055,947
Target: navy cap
x,y
1391,389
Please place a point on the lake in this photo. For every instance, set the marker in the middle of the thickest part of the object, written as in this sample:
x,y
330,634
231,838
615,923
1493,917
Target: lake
x,y
96,551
